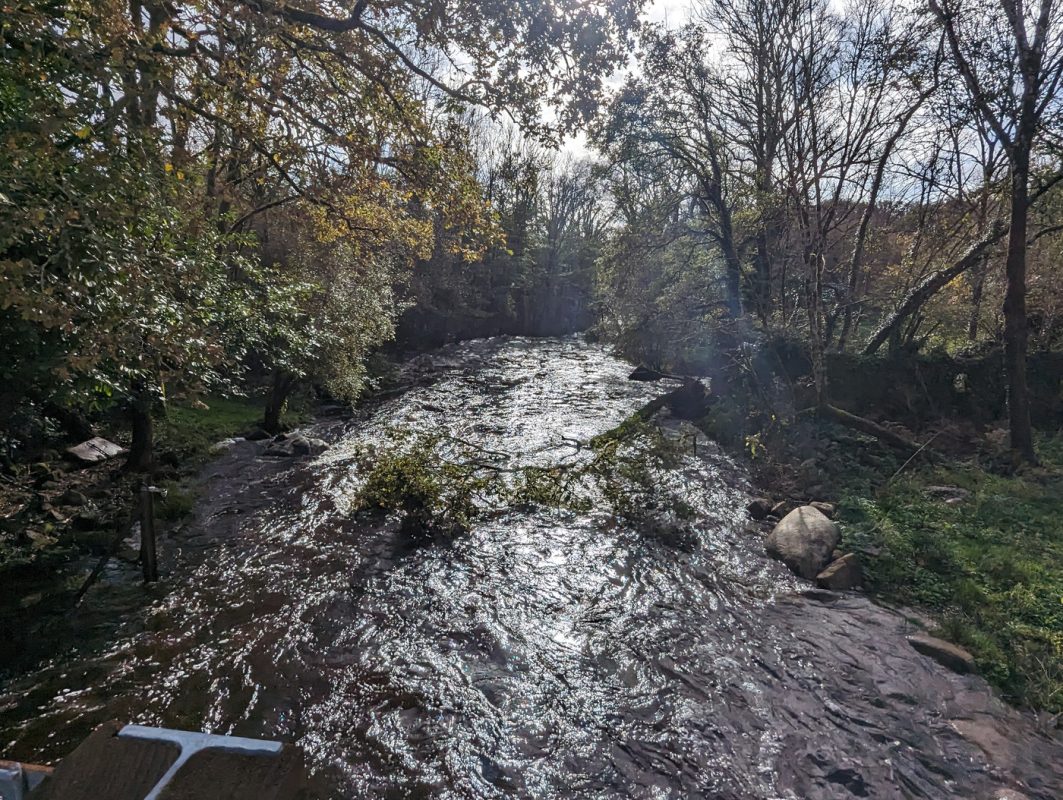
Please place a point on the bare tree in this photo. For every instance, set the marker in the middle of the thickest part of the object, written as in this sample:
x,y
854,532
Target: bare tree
x,y
1010,60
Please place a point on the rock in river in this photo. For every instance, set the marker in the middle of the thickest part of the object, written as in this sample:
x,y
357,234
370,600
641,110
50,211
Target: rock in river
x,y
803,540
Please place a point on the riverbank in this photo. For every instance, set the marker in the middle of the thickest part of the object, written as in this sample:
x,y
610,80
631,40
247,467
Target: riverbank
x,y
972,548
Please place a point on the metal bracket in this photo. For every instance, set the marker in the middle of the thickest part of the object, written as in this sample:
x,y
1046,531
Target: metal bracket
x,y
17,780
192,743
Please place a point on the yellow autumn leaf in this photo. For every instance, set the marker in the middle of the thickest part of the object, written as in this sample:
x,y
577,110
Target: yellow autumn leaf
x,y
83,133
168,167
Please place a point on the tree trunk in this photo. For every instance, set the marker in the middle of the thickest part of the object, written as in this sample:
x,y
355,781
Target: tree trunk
x,y
1015,326
977,291
278,397
142,449
931,285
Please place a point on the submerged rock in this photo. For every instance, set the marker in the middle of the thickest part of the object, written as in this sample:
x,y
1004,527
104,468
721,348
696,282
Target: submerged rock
x,y
803,540
291,445
842,574
945,653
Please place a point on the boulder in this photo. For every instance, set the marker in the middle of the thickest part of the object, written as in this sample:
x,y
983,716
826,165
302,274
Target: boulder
x,y
87,519
690,401
803,540
945,653
759,508
842,574
826,509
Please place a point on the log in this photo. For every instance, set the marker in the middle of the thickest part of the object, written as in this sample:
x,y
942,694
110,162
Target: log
x,y
865,425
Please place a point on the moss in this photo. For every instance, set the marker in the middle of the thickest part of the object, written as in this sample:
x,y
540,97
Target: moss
x,y
990,568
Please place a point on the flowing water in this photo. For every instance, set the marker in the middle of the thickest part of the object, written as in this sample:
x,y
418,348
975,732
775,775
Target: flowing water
x,y
546,654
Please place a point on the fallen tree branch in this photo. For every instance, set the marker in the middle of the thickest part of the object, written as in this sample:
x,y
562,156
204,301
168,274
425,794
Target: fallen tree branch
x,y
865,425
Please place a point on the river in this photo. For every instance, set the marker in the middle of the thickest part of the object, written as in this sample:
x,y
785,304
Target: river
x,y
547,654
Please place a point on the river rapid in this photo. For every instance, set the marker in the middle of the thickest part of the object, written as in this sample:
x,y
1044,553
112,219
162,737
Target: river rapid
x,y
547,654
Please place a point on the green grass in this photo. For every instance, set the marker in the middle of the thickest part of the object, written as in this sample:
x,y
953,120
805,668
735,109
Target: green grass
x,y
990,569
186,434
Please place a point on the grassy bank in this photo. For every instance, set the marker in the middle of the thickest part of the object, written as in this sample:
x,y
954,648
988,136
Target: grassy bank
x,y
56,510
987,564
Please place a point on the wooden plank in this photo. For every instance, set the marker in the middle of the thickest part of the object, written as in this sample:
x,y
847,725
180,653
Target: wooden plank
x,y
105,767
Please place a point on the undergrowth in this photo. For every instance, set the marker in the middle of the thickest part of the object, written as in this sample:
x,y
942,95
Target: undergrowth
x,y
990,566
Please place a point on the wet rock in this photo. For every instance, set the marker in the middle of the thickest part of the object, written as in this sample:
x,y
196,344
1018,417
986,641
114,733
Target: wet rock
x,y
782,508
803,540
945,653
334,410
826,509
759,508
94,450
842,574
293,444
225,444
644,373
257,435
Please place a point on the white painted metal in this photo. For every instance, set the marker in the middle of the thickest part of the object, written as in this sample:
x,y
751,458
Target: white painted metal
x,y
192,743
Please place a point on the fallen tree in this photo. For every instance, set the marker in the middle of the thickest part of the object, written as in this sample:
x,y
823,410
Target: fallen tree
x,y
932,284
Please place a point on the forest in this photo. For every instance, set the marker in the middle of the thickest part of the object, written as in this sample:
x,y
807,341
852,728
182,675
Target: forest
x,y
827,234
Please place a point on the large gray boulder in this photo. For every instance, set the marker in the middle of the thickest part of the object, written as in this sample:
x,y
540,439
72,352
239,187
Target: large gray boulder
x,y
803,540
